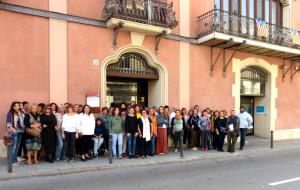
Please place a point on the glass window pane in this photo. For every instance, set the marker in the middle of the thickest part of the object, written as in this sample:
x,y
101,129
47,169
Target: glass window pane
x,y
235,7
251,8
274,13
217,4
226,5
260,9
244,8
267,11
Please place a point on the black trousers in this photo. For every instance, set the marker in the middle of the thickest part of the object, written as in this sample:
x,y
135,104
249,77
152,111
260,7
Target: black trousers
x,y
70,138
243,137
231,140
177,137
214,140
221,140
85,144
49,141
205,139
187,136
22,147
145,147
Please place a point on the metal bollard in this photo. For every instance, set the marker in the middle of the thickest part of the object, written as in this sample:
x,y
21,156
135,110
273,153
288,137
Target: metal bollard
x,y
9,143
110,149
272,139
181,144
9,158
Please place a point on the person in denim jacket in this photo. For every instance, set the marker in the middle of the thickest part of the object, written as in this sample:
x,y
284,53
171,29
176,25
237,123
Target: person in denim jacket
x,y
205,126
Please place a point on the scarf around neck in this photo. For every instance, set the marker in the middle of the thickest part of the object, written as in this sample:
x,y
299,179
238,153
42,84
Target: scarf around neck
x,y
146,129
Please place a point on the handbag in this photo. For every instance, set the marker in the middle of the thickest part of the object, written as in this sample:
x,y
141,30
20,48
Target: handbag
x,y
35,129
8,140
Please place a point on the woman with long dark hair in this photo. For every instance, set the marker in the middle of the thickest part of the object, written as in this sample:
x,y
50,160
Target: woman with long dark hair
x,y
116,130
98,138
194,129
54,107
162,125
131,129
15,123
214,136
87,129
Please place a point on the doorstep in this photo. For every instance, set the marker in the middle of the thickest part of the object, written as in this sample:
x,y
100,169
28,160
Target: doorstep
x,y
255,145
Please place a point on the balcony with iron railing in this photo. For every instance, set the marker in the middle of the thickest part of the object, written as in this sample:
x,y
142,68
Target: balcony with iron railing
x,y
224,29
145,15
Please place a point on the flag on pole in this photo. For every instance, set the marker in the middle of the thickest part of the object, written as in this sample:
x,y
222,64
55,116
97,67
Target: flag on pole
x,y
262,30
295,36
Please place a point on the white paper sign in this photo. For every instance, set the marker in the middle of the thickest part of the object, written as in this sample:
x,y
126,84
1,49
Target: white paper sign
x,y
93,101
231,127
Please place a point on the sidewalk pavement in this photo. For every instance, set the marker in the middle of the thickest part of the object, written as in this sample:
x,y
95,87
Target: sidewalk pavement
x,y
254,145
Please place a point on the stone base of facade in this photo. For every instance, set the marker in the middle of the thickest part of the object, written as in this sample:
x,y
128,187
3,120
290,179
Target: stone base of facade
x,y
2,150
287,134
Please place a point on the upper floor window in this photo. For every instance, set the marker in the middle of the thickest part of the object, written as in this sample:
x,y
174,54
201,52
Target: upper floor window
x,y
267,10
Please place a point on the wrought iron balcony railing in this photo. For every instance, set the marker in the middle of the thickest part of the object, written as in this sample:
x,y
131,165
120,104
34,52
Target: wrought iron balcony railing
x,y
152,12
255,29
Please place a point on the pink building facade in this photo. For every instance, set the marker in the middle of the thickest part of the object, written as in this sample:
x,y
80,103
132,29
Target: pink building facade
x,y
218,54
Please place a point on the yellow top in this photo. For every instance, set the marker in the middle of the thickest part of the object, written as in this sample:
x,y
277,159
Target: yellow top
x,y
139,115
212,123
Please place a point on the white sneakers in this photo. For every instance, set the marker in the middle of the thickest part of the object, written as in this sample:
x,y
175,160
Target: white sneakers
x,y
16,165
20,159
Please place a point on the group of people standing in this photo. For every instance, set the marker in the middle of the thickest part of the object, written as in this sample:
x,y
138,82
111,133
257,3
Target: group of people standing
x,y
72,131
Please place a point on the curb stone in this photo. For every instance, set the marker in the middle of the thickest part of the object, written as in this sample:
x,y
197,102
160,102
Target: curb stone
x,y
95,167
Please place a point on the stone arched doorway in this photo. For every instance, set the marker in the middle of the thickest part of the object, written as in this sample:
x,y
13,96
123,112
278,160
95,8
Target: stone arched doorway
x,y
255,87
137,68
254,84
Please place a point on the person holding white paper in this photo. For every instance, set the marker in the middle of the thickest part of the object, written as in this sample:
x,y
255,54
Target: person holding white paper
x,y
233,129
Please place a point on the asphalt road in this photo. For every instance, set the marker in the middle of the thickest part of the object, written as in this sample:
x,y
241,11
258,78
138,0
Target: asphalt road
x,y
242,172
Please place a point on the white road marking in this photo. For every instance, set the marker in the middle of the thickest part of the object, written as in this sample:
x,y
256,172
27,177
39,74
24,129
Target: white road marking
x,y
284,181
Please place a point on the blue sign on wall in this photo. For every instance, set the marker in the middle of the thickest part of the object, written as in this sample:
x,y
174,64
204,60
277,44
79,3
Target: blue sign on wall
x,y
260,109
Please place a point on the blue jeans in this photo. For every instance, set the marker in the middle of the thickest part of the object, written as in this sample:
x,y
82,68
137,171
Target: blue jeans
x,y
153,138
243,137
17,137
115,138
59,146
131,143
97,144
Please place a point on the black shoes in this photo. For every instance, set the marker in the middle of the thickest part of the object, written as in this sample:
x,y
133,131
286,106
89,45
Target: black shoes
x,y
49,159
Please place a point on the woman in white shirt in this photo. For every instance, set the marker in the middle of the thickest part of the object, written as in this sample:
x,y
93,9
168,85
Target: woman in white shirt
x,y
70,129
87,128
145,131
